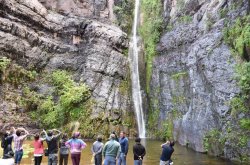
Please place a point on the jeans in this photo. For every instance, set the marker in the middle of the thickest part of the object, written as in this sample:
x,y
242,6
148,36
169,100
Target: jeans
x,y
137,162
52,159
76,159
38,160
63,159
98,159
122,159
18,156
109,160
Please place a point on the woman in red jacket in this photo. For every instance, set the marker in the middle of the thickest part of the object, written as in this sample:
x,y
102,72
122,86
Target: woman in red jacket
x,y
38,152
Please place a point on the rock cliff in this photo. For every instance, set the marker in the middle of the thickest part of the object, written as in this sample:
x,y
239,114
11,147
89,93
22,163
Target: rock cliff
x,y
193,76
86,8
34,37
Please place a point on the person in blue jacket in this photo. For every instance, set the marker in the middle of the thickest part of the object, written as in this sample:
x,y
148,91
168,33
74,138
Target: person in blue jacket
x,y
123,140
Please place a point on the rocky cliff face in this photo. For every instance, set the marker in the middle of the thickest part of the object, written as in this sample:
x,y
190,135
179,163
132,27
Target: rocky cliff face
x,y
42,40
89,8
193,75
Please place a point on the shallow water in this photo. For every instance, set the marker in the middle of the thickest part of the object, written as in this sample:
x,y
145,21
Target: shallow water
x,y
181,156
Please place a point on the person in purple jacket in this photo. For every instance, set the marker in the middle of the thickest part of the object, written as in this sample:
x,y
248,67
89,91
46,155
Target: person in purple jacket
x,y
76,146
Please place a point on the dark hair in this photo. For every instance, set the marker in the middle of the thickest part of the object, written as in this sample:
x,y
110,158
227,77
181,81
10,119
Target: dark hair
x,y
5,134
138,140
99,139
64,136
50,133
36,136
18,132
171,143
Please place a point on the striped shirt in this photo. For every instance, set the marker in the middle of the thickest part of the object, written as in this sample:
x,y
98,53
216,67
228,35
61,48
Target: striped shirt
x,y
18,142
75,145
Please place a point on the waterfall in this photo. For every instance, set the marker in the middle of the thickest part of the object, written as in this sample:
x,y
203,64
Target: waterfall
x,y
136,89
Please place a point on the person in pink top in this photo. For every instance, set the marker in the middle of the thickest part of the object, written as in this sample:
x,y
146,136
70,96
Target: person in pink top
x,y
38,149
76,145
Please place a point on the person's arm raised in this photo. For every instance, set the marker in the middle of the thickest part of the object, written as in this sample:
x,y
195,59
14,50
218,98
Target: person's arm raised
x,y
58,133
14,130
25,131
42,137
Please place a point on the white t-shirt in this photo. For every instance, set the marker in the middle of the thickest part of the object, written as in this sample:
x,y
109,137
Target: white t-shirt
x,y
7,161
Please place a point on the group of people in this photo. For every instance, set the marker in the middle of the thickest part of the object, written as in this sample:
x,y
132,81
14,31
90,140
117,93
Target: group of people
x,y
113,151
73,145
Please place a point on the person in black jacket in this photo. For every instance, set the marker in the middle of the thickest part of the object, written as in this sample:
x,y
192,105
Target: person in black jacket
x,y
52,139
7,145
139,152
167,151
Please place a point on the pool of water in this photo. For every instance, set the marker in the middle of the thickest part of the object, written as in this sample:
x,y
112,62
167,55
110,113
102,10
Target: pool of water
x,y
181,155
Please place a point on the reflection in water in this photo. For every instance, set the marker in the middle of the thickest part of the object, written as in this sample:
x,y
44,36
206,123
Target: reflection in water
x,y
181,156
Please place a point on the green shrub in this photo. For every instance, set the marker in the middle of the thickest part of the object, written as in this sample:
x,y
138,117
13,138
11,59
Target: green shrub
x,y
124,87
238,36
223,12
243,77
60,79
14,74
185,19
245,124
211,139
152,24
4,62
67,103
179,75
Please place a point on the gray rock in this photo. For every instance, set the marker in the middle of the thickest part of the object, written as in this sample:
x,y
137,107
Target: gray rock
x,y
44,40
195,72
80,8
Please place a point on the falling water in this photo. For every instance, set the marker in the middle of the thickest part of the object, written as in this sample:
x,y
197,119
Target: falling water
x,y
136,89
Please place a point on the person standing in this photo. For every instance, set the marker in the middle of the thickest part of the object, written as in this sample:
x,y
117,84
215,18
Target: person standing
x,y
6,144
116,138
111,151
38,149
76,146
64,150
97,150
139,152
124,148
19,138
167,151
52,139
